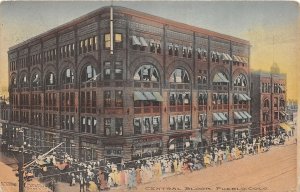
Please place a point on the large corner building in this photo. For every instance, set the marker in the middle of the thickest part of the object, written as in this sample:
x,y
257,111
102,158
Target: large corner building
x,y
164,87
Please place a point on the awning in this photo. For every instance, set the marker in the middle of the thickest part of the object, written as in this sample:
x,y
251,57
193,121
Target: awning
x,y
143,42
237,116
135,41
223,77
158,96
224,57
247,97
240,59
138,96
285,126
247,114
216,117
282,113
228,56
223,117
220,78
242,97
149,96
198,50
282,88
243,115
234,58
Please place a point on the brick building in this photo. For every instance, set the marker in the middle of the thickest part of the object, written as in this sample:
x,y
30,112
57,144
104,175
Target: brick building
x,y
164,84
268,92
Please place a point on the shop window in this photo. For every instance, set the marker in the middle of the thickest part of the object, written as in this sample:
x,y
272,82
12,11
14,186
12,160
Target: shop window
x,y
137,124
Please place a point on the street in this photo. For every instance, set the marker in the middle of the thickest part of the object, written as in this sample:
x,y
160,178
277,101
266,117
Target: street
x,y
273,171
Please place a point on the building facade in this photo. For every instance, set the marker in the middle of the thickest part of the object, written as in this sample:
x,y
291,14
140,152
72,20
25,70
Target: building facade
x,y
269,102
165,84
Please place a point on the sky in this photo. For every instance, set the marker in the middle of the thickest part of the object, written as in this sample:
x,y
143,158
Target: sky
x,y
271,27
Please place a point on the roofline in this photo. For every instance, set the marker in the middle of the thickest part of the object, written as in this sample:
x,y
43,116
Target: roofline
x,y
135,13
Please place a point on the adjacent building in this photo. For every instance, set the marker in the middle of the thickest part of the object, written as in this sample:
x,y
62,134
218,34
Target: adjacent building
x,y
268,92
161,86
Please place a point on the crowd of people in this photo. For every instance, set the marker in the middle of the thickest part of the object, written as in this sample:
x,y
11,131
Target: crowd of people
x,y
105,174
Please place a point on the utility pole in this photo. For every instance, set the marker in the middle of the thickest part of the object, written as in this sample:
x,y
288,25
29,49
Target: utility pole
x,y
21,160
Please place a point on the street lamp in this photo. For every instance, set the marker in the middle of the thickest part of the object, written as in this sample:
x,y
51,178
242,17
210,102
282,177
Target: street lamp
x,y
203,118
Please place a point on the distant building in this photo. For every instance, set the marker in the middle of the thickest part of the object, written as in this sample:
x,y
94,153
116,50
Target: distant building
x,y
164,84
268,93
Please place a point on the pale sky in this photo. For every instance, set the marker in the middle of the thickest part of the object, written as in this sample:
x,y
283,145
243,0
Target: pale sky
x,y
253,21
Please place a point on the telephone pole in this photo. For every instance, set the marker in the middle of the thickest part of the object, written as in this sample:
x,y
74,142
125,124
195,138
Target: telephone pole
x,y
21,160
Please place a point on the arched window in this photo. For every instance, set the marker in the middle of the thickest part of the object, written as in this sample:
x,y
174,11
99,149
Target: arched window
x,y
146,73
88,73
14,81
240,80
180,76
35,80
50,80
68,76
266,103
23,80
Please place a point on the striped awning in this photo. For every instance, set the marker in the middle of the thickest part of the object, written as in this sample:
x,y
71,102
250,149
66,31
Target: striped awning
x,y
139,96
216,117
285,126
149,96
237,115
135,41
247,97
228,56
223,117
158,96
247,114
143,42
243,115
220,78
242,97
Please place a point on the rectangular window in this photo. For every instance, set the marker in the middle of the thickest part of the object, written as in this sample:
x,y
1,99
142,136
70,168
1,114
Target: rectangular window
x,y
106,74
107,99
95,45
137,124
81,47
118,74
107,126
119,98
107,41
118,40
119,126
91,44
82,123
94,124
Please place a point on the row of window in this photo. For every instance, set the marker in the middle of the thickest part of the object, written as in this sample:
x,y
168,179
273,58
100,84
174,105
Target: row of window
x,y
67,51
144,73
117,98
113,126
146,125
88,45
88,125
179,122
67,122
50,55
50,120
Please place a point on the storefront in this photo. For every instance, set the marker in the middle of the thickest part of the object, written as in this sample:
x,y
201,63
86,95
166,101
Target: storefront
x,y
241,134
221,137
179,143
113,153
147,147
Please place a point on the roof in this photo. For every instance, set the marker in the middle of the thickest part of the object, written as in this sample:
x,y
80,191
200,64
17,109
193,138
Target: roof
x,y
135,13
